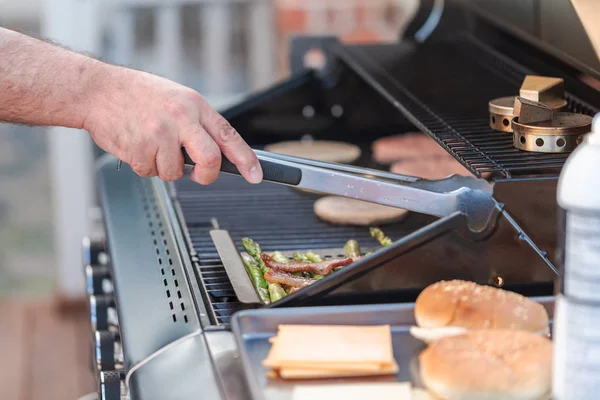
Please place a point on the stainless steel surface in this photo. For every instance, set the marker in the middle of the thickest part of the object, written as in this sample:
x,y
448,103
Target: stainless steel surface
x,y
253,328
561,134
234,266
474,199
227,365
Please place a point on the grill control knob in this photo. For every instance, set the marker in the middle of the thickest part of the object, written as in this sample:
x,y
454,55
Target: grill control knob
x,y
97,279
93,252
108,351
103,314
112,385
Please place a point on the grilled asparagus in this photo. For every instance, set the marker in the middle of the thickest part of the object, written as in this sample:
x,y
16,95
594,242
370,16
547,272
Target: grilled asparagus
x,y
258,278
276,292
352,249
254,250
380,236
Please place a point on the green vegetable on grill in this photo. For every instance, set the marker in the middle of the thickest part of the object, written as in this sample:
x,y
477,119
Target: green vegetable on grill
x,y
257,277
276,292
279,257
313,257
300,257
380,236
255,251
352,249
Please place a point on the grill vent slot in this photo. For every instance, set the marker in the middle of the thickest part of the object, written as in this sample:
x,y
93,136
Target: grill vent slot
x,y
163,256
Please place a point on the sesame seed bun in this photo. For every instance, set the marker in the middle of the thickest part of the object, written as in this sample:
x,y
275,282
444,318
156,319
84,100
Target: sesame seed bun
x,y
488,365
469,305
344,211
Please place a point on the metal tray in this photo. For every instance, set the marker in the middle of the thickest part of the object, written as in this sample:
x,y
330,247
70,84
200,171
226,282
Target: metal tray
x,y
253,328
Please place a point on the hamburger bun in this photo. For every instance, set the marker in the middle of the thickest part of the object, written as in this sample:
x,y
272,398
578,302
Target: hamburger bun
x,y
443,307
488,365
345,211
409,146
318,150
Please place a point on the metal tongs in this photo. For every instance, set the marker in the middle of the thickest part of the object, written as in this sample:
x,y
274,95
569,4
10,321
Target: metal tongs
x,y
466,195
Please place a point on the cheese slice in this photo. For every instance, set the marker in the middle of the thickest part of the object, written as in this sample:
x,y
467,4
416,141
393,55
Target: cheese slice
x,y
354,391
308,344
312,373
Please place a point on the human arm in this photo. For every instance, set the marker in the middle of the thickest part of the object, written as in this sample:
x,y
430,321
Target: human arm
x,y
140,118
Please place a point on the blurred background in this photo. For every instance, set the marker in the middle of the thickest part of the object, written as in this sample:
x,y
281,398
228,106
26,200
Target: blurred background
x,y
225,49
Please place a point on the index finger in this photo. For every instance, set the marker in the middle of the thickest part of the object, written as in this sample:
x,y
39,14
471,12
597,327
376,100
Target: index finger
x,y
233,146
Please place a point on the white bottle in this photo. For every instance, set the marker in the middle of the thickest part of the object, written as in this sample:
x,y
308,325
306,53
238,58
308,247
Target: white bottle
x,y
576,336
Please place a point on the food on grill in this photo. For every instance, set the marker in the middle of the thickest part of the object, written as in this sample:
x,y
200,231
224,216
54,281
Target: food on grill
x,y
488,364
352,249
274,290
257,277
375,390
439,168
319,150
320,267
275,275
285,278
340,351
378,234
452,307
345,211
409,146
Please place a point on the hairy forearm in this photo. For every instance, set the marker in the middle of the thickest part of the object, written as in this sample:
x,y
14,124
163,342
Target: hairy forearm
x,y
43,84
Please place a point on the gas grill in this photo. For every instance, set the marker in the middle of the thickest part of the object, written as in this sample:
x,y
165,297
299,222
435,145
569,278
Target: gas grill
x,y
170,246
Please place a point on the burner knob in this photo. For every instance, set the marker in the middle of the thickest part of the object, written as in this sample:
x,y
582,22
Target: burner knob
x,y
93,252
103,313
108,351
97,279
112,385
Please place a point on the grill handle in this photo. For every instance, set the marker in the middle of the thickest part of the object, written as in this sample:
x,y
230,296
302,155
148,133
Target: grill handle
x,y
272,172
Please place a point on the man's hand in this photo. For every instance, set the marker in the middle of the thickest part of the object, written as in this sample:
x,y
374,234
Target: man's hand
x,y
145,120
140,118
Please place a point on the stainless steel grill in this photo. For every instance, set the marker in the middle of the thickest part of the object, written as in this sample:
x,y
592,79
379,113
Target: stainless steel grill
x,y
277,217
444,88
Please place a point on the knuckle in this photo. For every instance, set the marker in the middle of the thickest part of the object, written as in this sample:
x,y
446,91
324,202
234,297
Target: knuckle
x,y
171,175
194,97
143,169
176,109
227,133
211,158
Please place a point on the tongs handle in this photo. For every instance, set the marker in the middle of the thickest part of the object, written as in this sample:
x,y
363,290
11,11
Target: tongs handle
x,y
272,172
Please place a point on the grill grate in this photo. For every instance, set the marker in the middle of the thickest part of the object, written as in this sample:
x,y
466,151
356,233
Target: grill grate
x,y
445,87
277,217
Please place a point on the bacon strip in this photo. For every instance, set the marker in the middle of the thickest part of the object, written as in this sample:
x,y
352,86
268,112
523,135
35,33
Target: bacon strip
x,y
285,278
320,268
